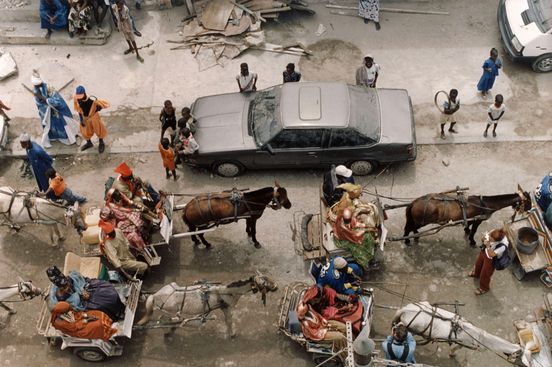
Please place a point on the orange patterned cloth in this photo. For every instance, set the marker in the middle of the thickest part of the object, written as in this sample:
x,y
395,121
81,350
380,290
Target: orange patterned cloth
x,y
90,324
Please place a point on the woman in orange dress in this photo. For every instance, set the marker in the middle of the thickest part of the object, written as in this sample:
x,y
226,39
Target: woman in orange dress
x,y
82,324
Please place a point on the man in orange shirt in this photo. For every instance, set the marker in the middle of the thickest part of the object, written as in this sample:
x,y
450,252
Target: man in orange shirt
x,y
57,189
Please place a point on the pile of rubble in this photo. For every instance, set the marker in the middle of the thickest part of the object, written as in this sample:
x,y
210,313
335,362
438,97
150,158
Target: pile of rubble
x,y
222,29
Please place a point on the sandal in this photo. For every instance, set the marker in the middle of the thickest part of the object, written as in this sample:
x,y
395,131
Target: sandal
x,y
471,274
480,291
128,51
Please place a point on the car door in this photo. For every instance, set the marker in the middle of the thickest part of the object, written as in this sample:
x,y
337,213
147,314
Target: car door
x,y
292,148
347,145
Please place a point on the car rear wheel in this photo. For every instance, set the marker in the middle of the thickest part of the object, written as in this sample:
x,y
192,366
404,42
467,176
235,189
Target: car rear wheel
x,y
543,64
363,168
90,354
227,169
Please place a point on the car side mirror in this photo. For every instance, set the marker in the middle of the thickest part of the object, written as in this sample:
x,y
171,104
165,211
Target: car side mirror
x,y
269,149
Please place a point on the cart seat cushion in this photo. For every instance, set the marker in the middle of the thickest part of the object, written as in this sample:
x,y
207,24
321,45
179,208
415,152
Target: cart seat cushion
x,y
93,217
91,236
89,267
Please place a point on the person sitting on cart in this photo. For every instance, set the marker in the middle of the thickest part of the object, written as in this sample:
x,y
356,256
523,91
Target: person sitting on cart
x,y
134,188
341,276
84,294
333,178
116,249
317,328
69,289
399,346
543,196
92,324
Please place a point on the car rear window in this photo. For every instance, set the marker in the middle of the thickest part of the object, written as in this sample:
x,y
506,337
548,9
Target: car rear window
x,y
364,114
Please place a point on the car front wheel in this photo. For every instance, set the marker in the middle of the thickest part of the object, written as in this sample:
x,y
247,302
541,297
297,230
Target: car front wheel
x,y
543,64
363,168
227,169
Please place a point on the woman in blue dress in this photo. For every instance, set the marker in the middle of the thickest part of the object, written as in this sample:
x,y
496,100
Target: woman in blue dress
x,y
490,71
53,15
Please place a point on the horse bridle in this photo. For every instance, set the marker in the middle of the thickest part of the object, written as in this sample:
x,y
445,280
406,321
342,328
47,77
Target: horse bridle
x,y
275,202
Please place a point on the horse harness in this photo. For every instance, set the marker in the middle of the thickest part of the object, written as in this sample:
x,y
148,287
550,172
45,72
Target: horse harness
x,y
204,291
454,323
236,197
460,199
30,207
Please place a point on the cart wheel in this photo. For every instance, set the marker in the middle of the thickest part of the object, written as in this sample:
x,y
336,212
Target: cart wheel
x,y
90,354
320,358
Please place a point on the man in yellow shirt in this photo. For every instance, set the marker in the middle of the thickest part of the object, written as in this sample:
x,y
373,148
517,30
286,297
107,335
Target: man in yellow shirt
x,y
57,189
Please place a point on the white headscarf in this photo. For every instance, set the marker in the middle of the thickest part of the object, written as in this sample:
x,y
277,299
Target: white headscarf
x,y
35,78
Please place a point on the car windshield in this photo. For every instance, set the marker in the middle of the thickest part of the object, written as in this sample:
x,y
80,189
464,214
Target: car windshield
x,y
264,116
543,12
364,115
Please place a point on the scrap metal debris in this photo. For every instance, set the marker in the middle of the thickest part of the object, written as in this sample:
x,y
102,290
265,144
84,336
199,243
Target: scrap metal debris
x,y
223,29
8,67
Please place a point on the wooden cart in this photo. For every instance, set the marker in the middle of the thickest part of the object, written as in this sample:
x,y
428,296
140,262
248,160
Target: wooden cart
x,y
93,350
541,258
313,235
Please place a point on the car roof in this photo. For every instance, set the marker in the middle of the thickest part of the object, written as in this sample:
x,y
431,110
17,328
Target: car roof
x,y
314,104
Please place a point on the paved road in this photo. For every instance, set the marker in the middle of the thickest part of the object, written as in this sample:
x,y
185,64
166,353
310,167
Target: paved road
x,y
420,53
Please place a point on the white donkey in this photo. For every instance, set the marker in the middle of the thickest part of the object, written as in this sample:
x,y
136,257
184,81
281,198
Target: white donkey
x,y
25,289
20,208
438,325
197,301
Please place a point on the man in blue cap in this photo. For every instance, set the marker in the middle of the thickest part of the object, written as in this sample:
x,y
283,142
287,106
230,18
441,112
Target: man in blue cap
x,y
91,122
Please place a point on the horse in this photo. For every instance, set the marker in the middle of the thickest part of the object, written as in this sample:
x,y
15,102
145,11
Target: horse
x,y
20,208
208,210
442,208
25,289
199,300
439,325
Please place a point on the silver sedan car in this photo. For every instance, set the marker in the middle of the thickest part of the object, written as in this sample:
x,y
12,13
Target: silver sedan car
x,y
304,125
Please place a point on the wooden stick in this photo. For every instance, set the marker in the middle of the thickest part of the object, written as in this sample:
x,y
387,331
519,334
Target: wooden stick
x,y
274,10
247,10
389,10
279,51
66,84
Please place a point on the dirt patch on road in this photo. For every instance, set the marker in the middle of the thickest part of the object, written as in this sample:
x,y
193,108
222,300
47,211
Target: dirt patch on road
x,y
332,59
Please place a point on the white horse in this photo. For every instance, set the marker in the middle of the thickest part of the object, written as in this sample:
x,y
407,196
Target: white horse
x,y
20,208
25,289
197,301
438,325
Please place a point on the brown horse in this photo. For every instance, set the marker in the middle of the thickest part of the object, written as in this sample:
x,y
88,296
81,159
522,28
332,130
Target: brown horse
x,y
208,210
441,208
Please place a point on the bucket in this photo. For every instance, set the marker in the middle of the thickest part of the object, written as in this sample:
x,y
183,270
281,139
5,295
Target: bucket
x,y
527,240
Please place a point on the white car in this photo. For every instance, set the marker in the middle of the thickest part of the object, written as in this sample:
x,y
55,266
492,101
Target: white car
x,y
526,31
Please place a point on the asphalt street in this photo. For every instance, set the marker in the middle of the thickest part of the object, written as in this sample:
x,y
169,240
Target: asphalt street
x,y
421,53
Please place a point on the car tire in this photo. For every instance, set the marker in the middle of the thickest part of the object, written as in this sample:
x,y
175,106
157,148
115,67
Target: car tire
x,y
363,168
228,168
543,63
90,354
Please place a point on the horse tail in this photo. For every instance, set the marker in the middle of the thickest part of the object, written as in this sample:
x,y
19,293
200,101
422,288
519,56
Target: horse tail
x,y
149,310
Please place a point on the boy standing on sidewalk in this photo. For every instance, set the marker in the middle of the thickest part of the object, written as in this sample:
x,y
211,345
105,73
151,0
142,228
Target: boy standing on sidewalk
x,y
167,155
449,108
495,112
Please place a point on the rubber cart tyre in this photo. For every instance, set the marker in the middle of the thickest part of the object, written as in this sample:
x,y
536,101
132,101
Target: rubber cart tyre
x,y
319,358
363,168
228,168
543,64
90,354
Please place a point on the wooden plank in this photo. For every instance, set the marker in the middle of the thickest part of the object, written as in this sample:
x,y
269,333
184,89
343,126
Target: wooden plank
x,y
190,6
216,13
232,30
386,10
247,10
274,10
